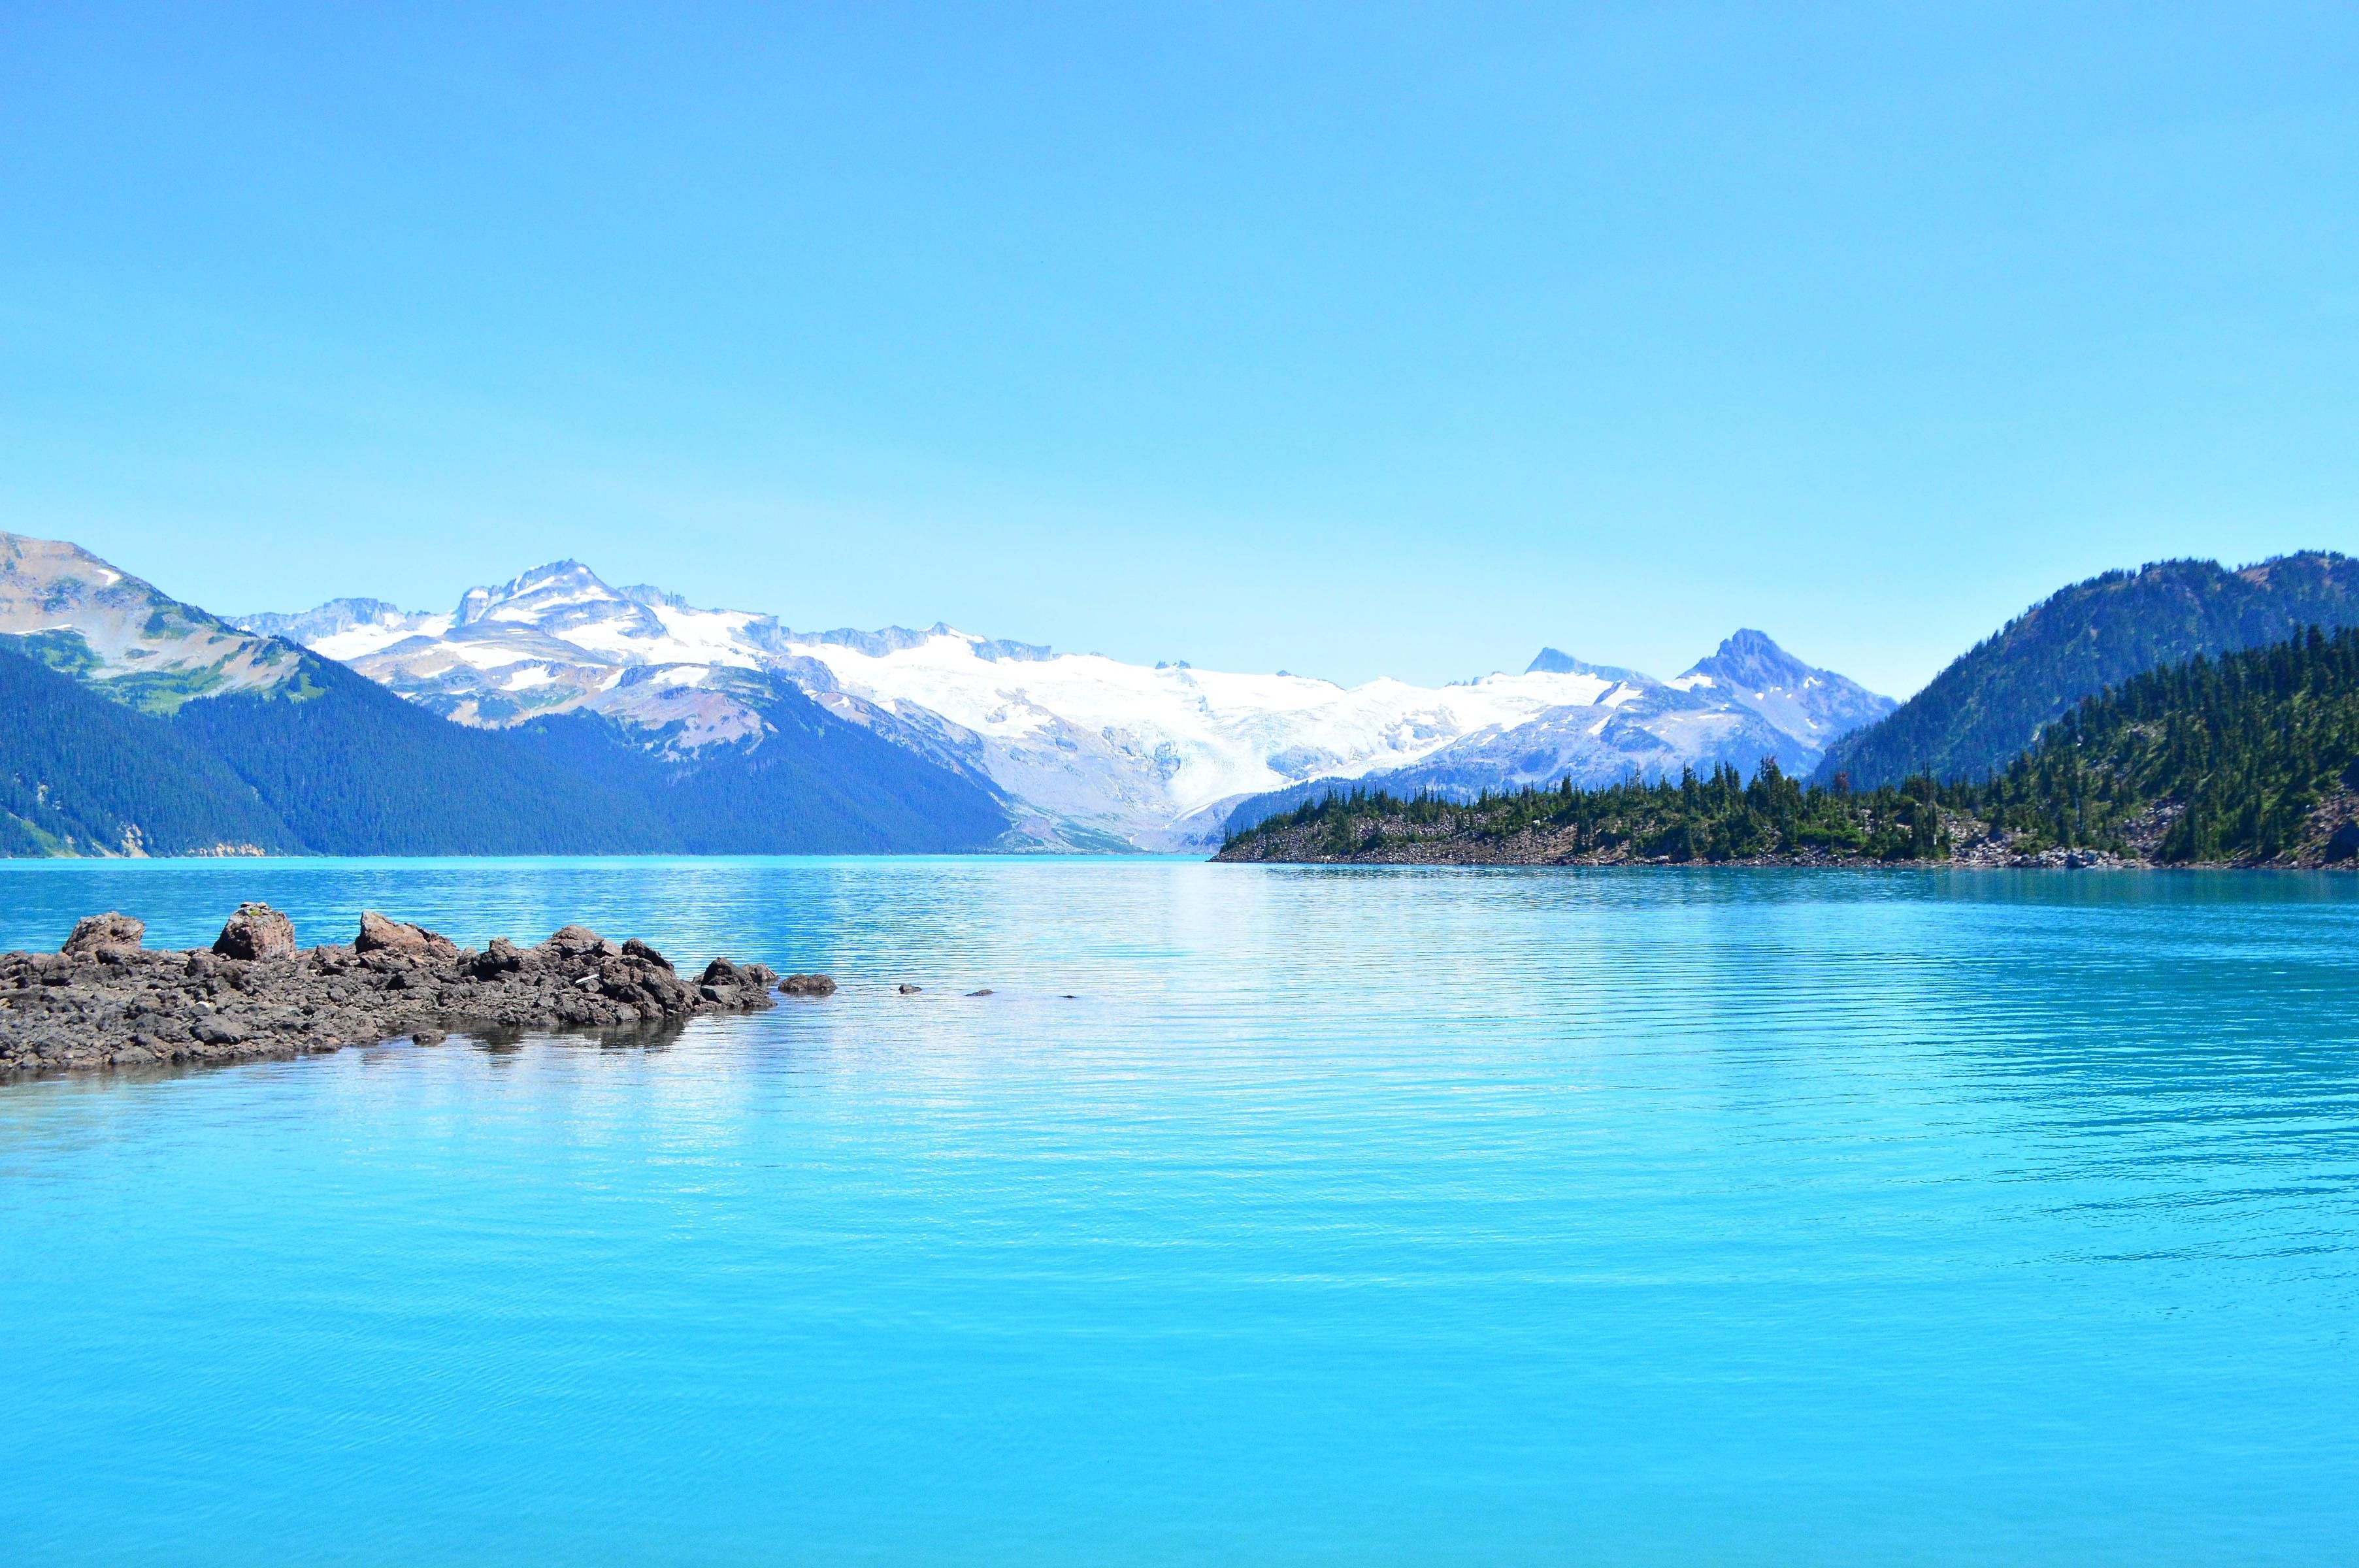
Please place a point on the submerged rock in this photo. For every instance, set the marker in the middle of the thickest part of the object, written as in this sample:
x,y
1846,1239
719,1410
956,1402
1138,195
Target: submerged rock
x,y
107,1001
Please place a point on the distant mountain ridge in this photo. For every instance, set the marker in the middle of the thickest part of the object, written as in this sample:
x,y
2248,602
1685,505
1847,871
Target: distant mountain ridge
x,y
331,618
1088,751
2248,759
629,719
1991,703
1745,704
140,725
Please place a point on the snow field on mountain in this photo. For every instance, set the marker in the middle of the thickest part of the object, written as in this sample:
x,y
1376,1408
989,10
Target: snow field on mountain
x,y
1088,749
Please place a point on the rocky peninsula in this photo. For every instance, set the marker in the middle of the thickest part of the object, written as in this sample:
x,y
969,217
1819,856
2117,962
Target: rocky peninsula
x,y
105,1000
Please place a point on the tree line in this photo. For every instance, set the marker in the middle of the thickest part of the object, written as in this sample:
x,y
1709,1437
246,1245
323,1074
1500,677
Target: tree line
x,y
2228,756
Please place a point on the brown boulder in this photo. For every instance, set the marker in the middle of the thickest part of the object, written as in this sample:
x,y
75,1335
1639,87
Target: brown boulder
x,y
95,932
379,935
256,931
577,941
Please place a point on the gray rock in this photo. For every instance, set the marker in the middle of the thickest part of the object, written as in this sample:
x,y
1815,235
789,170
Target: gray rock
x,y
808,985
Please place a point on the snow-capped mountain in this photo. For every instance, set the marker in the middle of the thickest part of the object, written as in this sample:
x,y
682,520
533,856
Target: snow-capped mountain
x,y
1746,703
1088,751
334,618
1818,705
240,742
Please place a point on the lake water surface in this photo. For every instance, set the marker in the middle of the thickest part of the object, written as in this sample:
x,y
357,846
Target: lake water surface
x,y
1261,1215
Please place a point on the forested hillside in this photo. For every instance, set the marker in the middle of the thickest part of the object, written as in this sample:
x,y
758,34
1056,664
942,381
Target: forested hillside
x,y
82,775
2230,758
353,770
814,784
330,763
1987,706
1715,817
2249,758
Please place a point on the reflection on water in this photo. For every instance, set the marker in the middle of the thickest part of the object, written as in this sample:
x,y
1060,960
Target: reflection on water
x,y
1259,1214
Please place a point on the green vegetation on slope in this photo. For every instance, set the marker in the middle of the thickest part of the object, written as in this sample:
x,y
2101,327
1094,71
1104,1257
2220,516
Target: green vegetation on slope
x,y
81,775
355,770
1978,714
2225,760
330,763
1719,818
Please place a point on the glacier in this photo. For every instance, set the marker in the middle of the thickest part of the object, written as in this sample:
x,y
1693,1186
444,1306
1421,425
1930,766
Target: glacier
x,y
1087,752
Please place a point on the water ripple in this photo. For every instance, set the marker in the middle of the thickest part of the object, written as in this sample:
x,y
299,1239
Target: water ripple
x,y
1327,1215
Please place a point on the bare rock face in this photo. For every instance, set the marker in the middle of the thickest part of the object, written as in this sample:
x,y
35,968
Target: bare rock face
x,y
98,933
808,985
379,935
257,932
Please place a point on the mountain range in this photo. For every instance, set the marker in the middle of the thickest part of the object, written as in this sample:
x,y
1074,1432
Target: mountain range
x,y
553,713
136,724
1083,751
1746,703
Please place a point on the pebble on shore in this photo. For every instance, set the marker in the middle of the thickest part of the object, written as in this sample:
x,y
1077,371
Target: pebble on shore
x,y
104,1000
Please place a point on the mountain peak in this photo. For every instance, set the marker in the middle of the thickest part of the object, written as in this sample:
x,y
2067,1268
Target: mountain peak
x,y
1745,640
1749,668
1751,659
536,592
118,635
1556,662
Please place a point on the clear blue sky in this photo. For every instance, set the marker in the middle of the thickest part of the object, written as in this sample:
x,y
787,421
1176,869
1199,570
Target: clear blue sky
x,y
1350,339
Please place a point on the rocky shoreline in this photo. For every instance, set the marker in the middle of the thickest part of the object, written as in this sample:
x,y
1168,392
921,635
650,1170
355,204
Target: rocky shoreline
x,y
104,1000
1399,842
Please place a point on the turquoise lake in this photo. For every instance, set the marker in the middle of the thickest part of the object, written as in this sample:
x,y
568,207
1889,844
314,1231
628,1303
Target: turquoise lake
x,y
1261,1215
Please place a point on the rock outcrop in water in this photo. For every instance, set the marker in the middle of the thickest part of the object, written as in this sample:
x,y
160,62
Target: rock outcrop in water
x,y
105,1000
